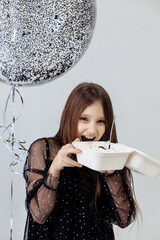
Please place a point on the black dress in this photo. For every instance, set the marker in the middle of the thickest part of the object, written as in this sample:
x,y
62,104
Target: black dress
x,y
71,212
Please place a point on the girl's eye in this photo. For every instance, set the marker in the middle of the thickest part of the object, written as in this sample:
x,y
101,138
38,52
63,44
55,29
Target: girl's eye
x,y
101,121
83,119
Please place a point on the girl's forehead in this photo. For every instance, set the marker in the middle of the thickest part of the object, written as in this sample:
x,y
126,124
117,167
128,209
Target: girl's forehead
x,y
94,107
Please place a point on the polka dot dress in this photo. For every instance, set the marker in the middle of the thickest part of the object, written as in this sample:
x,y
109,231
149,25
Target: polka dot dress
x,y
66,208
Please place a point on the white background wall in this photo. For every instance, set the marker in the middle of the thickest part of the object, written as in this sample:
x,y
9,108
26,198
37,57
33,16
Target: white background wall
x,y
124,58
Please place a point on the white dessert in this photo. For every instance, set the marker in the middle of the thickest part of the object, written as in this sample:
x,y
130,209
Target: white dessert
x,y
99,155
102,147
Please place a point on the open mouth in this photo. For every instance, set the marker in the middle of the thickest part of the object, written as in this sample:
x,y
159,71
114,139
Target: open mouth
x,y
84,138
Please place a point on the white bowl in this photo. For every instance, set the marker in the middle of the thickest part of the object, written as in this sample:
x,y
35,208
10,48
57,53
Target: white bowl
x,y
144,164
97,156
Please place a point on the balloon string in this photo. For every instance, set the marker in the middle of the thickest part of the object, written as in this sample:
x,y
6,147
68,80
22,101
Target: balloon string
x,y
11,217
13,119
11,189
12,172
10,141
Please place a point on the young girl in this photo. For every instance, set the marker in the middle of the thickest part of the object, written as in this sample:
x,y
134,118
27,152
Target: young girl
x,y
66,200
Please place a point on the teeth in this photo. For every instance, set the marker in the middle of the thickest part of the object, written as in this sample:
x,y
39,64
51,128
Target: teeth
x,y
85,138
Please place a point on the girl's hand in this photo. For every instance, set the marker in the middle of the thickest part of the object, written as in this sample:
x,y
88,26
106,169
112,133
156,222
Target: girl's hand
x,y
109,171
63,159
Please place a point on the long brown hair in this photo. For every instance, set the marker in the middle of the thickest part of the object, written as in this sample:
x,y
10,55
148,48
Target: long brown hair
x,y
81,97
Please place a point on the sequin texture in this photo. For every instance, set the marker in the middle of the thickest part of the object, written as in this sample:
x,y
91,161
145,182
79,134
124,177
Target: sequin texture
x,y
65,208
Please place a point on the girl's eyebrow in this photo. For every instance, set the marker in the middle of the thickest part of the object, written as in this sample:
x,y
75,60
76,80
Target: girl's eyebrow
x,y
87,115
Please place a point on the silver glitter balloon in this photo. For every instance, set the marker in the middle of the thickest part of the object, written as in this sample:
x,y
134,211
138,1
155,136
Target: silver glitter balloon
x,y
41,39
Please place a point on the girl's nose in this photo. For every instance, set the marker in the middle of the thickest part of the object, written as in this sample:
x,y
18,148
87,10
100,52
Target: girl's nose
x,y
92,129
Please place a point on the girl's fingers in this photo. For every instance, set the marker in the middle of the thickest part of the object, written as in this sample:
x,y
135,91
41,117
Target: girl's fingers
x,y
72,162
109,171
63,157
77,140
72,150
69,165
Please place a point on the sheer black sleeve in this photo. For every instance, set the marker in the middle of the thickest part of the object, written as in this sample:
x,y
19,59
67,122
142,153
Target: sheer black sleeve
x,y
40,185
121,199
